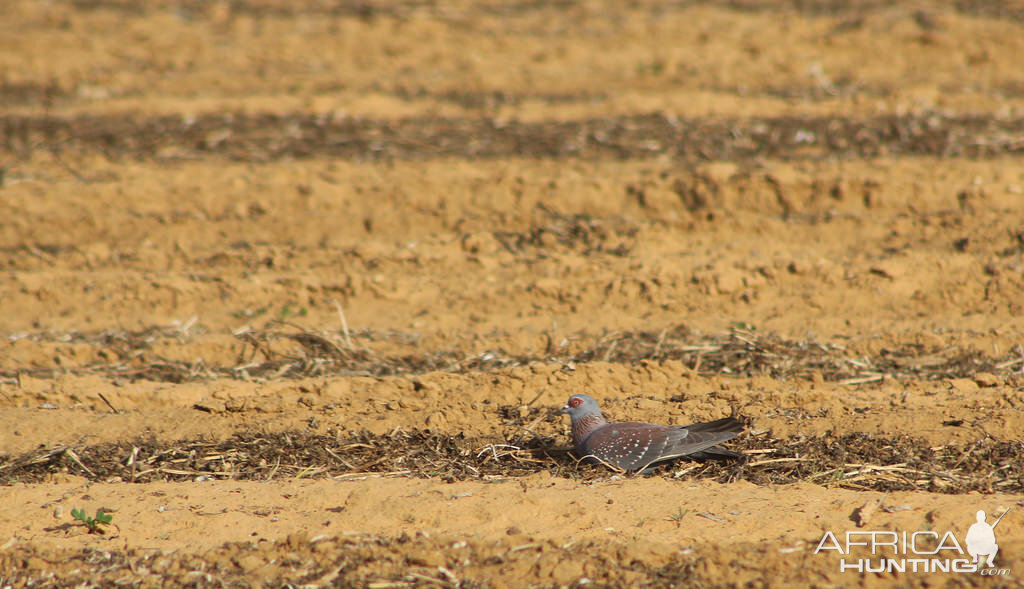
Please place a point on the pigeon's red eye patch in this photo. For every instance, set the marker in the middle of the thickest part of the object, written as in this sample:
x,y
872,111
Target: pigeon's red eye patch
x,y
575,402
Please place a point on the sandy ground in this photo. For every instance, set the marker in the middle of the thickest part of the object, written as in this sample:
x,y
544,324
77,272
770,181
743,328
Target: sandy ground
x,y
292,288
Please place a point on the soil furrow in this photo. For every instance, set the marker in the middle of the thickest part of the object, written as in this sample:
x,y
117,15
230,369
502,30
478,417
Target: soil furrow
x,y
268,137
855,461
276,354
1006,9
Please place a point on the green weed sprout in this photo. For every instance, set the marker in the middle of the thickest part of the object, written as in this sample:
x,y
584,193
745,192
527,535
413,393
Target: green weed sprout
x,y
93,523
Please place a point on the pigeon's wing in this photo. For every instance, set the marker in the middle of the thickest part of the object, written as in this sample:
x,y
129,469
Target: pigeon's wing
x,y
635,446
627,445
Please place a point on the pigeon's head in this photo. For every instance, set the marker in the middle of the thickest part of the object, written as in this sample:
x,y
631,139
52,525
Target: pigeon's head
x,y
580,406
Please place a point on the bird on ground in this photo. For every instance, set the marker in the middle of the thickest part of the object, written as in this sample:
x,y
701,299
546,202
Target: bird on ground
x,y
639,446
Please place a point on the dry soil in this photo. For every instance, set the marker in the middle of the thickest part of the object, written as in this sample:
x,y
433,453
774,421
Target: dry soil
x,y
292,288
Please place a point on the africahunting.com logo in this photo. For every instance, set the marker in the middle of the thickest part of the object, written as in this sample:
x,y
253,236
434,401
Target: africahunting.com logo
x,y
924,551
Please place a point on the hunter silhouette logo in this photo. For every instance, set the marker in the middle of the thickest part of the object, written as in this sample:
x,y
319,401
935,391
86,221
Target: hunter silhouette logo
x,y
922,551
981,539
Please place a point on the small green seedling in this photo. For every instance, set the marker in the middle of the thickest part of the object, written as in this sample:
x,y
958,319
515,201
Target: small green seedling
x,y
93,523
678,516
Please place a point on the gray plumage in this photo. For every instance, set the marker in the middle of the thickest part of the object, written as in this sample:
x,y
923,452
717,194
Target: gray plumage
x,y
637,446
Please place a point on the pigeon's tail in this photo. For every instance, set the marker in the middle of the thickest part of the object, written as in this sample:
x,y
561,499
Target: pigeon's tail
x,y
724,425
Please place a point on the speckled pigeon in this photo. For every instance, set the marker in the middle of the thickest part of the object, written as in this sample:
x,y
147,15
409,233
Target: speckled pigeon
x,y
637,446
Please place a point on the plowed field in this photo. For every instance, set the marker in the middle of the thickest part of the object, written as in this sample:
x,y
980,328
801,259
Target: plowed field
x,y
292,290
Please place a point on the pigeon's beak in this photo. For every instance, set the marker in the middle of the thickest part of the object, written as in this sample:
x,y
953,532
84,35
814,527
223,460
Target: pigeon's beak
x,y
563,411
